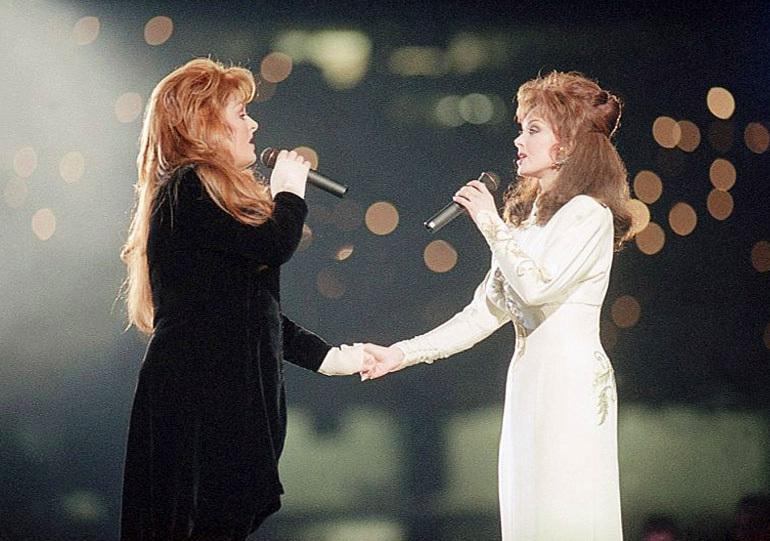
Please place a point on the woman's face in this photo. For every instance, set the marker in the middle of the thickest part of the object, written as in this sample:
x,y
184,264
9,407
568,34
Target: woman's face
x,y
242,128
537,148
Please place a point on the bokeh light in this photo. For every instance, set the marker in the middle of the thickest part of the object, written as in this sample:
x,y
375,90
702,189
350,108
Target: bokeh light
x,y
760,256
722,174
265,90
25,162
440,256
608,334
128,107
44,223
720,102
344,252
651,239
15,193
647,186
690,136
666,131
640,215
307,238
682,219
476,109
72,166
158,30
276,67
86,30
447,112
756,137
309,154
381,218
84,506
414,61
329,284
625,311
720,204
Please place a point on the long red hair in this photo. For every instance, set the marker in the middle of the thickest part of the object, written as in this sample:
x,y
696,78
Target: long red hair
x,y
584,118
183,125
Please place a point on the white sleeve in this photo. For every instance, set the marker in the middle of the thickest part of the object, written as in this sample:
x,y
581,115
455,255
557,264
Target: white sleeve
x,y
582,231
343,360
472,324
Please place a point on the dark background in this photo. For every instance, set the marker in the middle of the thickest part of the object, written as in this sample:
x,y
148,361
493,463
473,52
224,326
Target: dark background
x,y
412,456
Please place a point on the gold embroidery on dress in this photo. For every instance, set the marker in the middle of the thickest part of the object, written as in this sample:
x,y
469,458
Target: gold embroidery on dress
x,y
496,232
604,386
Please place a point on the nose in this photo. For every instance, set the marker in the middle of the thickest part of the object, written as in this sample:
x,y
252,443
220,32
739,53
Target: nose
x,y
517,142
254,125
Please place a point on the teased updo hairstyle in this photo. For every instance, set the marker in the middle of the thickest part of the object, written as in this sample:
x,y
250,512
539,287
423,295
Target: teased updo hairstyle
x,y
584,118
184,125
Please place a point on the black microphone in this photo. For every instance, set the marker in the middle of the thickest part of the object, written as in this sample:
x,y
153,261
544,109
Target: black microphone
x,y
269,155
453,210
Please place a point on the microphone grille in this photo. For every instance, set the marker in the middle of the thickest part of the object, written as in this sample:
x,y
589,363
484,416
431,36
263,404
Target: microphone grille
x,y
268,156
490,180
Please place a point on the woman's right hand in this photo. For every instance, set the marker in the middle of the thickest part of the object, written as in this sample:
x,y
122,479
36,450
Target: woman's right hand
x,y
289,174
386,360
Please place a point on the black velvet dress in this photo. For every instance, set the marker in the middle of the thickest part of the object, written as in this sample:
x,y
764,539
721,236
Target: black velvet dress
x,y
209,416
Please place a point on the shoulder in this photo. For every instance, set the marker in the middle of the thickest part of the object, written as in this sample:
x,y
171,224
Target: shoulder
x,y
584,206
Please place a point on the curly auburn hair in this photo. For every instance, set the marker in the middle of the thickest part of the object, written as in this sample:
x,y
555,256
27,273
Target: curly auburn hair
x,y
184,125
584,118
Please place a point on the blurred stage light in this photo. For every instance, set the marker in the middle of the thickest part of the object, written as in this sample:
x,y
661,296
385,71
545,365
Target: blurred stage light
x,y
72,166
329,284
690,136
666,131
682,219
128,107
760,256
84,506
647,186
476,109
417,61
440,256
381,218
447,112
757,137
275,67
651,239
309,154
307,238
344,252
15,193
719,204
44,223
720,102
25,162
341,55
722,174
640,215
625,311
158,30
86,30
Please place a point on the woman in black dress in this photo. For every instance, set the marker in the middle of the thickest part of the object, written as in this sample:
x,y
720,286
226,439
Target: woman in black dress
x,y
204,252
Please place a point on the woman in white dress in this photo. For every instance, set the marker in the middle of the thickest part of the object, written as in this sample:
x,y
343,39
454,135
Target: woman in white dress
x,y
551,257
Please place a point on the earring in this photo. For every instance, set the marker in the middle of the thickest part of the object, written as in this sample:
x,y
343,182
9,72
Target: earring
x,y
559,160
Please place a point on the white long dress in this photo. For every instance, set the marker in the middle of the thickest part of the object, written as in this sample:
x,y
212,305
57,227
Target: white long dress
x,y
558,466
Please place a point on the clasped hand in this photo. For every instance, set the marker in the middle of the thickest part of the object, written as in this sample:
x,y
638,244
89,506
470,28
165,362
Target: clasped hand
x,y
289,174
380,360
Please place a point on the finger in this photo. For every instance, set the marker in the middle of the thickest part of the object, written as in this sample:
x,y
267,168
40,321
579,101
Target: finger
x,y
480,186
282,155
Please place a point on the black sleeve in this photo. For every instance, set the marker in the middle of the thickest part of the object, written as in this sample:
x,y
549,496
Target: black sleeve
x,y
302,347
197,223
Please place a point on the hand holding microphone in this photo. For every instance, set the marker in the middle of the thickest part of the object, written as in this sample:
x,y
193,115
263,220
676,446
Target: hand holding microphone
x,y
289,174
472,198
269,158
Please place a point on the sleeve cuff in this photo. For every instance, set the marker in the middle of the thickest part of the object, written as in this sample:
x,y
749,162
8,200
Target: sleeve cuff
x,y
344,360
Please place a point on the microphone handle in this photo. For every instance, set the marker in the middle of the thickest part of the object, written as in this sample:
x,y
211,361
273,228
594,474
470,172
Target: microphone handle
x,y
443,217
328,185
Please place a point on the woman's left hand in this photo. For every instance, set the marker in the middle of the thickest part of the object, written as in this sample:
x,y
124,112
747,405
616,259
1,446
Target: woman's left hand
x,y
475,198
